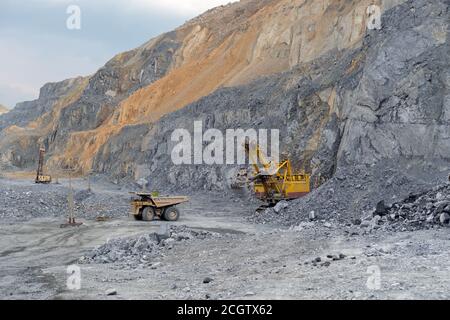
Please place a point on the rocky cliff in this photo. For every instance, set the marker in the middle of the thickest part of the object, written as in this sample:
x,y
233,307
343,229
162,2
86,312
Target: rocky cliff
x,y
341,94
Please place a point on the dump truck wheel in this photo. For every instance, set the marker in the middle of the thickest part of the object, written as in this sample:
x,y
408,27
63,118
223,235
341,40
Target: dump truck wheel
x,y
138,216
171,214
148,214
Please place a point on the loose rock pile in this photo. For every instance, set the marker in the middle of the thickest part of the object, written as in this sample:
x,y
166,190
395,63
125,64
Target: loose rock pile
x,y
90,205
140,250
22,203
418,211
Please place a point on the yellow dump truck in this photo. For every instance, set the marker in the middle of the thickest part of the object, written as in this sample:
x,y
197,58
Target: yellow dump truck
x,y
146,206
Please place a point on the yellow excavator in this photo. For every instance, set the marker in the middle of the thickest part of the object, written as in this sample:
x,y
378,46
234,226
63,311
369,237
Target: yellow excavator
x,y
273,182
40,176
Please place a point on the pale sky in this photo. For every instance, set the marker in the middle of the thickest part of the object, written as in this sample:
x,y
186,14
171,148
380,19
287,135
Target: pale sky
x,y
36,46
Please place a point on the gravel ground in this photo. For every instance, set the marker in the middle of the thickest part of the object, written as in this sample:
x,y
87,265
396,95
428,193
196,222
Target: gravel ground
x,y
214,252
311,263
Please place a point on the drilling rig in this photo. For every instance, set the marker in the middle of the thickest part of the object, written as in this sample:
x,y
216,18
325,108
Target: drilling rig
x,y
274,182
40,176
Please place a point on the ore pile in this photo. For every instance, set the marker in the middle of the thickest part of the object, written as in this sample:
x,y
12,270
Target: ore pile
x,y
139,250
418,211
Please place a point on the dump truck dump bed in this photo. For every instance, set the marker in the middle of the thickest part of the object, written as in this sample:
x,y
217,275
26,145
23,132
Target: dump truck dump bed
x,y
159,202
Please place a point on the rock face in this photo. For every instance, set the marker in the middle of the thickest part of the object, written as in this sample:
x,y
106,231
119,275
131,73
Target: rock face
x,y
50,94
400,107
340,94
66,111
24,127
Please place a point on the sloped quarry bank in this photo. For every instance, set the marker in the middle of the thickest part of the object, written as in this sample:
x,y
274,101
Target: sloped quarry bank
x,y
418,211
353,193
